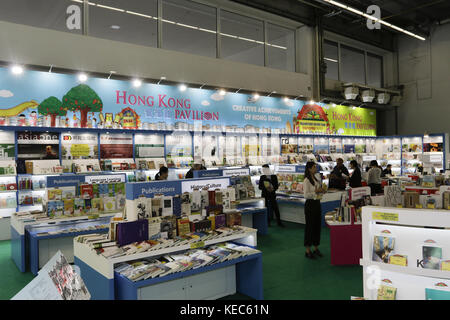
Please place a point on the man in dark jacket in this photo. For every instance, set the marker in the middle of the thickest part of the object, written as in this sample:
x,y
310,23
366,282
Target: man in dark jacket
x,y
190,173
268,184
338,176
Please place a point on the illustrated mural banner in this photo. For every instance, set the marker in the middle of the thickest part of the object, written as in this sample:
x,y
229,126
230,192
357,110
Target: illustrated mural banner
x,y
38,98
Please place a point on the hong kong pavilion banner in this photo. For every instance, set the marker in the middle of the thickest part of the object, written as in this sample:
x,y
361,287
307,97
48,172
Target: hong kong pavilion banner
x,y
37,98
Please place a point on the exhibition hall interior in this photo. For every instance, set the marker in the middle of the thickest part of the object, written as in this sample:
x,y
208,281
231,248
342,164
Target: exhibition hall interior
x,y
244,150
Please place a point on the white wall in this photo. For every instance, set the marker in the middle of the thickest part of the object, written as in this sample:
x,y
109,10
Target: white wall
x,y
30,45
424,70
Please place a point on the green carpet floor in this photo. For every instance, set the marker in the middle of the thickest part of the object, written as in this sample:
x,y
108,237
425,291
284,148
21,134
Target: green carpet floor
x,y
287,273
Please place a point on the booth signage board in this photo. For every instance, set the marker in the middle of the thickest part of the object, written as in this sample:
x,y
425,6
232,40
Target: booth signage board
x,y
107,103
7,145
190,185
208,173
64,181
236,172
149,189
116,146
110,178
82,145
149,145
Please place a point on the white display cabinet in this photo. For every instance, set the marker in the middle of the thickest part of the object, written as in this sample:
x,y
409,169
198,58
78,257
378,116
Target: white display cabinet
x,y
412,230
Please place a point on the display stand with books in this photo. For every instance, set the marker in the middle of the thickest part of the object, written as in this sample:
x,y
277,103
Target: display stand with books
x,y
345,227
65,212
8,196
406,253
104,281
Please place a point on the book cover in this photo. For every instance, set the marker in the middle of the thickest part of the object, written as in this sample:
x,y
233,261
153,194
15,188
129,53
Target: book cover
x,y
218,197
54,194
68,192
87,205
68,207
382,248
176,202
204,198
167,208
185,209
120,201
134,231
214,210
111,190
386,293
143,207
436,294
97,205
157,206
183,226
220,221
431,257
445,265
231,194
196,201
211,197
143,165
95,191
399,260
119,188
212,218
168,227
233,219
109,203
78,204
151,165
86,191
103,190
55,208
154,228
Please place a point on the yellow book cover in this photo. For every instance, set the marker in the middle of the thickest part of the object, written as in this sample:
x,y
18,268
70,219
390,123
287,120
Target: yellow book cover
x,y
445,265
213,222
399,260
386,293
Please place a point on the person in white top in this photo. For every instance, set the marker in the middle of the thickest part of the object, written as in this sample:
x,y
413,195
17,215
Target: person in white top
x,y
312,189
374,179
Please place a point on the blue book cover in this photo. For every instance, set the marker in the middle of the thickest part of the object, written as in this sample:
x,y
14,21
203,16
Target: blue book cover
x,y
134,231
435,294
103,190
176,204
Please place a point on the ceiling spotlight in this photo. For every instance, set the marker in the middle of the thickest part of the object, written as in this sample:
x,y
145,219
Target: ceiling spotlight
x,y
82,77
286,99
222,92
161,79
426,135
182,87
353,107
334,105
16,69
115,27
312,102
255,96
137,83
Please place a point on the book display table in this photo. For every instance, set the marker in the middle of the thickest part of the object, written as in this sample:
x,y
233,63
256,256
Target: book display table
x,y
243,275
292,207
31,248
406,251
254,214
345,242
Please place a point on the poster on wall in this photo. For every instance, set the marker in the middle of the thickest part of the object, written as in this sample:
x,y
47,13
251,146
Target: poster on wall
x,y
250,146
149,145
38,145
288,145
116,146
321,145
79,146
178,146
38,98
335,145
7,145
305,145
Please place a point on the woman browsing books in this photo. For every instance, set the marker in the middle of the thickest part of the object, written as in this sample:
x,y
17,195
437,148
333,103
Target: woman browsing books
x,y
313,190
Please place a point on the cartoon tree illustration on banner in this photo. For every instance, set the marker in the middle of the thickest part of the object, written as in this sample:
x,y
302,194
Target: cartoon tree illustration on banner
x,y
53,107
82,98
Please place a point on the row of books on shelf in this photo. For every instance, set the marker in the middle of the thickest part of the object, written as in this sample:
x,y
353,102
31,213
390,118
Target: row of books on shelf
x,y
73,229
384,251
30,199
389,292
196,203
31,183
8,170
349,211
109,245
192,259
